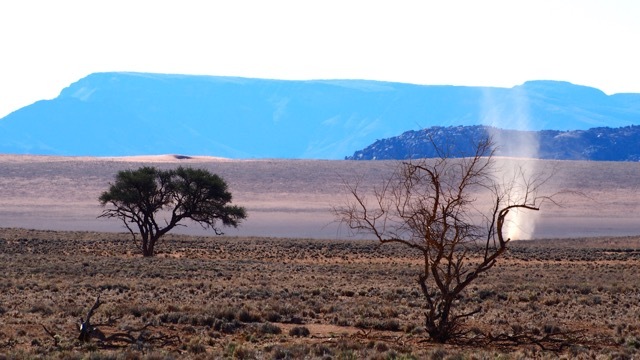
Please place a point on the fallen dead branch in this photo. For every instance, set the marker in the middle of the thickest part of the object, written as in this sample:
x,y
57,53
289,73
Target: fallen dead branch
x,y
553,341
54,336
8,344
370,334
141,336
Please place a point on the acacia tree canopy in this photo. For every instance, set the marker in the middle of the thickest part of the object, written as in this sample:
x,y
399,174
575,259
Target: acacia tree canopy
x,y
141,196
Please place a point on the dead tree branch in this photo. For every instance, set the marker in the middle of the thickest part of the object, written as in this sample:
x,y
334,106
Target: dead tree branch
x,y
88,331
55,337
553,341
134,336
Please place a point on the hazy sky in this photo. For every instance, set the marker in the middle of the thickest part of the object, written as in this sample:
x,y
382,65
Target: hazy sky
x,y
46,45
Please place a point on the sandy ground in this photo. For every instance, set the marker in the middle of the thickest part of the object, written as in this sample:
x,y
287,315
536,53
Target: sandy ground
x,y
293,198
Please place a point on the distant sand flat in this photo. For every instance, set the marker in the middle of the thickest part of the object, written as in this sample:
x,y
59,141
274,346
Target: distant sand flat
x,y
164,158
167,158
293,198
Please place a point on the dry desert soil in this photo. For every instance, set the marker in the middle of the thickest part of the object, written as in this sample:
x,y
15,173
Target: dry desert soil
x,y
291,283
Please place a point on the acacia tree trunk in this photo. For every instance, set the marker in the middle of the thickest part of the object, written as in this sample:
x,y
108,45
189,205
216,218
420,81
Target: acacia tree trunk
x,y
149,239
148,246
152,234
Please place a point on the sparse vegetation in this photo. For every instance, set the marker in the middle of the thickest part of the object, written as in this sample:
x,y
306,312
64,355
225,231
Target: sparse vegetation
x,y
199,289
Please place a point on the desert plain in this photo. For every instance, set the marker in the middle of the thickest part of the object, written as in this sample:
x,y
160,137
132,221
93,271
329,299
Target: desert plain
x,y
291,282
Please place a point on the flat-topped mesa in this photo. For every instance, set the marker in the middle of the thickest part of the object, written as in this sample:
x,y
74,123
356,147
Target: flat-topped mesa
x,y
124,114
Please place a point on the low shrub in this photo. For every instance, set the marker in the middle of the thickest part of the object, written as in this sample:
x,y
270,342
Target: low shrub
x,y
269,328
299,331
247,316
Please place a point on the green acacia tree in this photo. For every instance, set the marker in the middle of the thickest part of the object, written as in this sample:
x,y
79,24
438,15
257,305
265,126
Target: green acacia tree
x,y
139,198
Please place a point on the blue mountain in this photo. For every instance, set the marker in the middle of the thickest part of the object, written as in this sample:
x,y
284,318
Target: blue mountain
x,y
118,114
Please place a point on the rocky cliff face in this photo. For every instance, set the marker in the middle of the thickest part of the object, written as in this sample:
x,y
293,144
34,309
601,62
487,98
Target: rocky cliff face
x,y
600,144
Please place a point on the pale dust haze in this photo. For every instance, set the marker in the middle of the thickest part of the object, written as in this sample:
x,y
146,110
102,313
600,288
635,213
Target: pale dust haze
x,y
293,198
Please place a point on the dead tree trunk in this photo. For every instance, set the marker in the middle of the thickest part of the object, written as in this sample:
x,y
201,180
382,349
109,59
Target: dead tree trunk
x,y
88,331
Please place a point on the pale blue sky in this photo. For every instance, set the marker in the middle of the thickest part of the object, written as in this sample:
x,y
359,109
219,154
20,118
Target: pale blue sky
x,y
46,45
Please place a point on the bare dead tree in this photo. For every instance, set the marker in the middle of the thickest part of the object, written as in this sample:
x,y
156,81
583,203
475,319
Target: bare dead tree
x,y
432,206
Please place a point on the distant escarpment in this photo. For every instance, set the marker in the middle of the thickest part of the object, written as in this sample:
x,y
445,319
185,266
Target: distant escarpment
x,y
124,114
598,144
